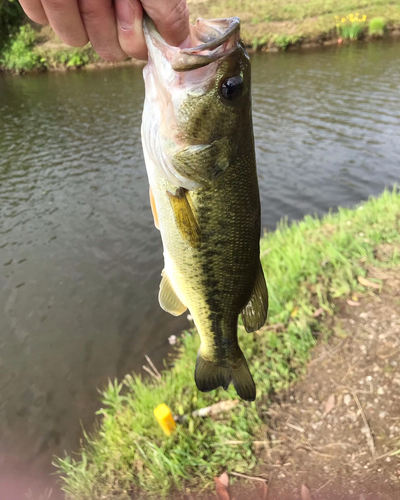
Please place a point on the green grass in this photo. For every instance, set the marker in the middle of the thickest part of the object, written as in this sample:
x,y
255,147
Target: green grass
x,y
11,17
307,265
351,31
23,53
377,26
296,21
19,55
70,57
283,41
351,27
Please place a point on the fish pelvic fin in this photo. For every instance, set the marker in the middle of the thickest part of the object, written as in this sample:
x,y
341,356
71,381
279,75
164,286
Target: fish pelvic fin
x,y
254,313
209,376
167,297
184,217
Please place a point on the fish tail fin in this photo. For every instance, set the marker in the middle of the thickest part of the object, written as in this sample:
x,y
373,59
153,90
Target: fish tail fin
x,y
209,376
242,380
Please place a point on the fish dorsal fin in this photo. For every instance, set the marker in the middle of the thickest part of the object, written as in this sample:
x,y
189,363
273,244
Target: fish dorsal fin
x,y
154,208
184,217
167,297
254,313
203,163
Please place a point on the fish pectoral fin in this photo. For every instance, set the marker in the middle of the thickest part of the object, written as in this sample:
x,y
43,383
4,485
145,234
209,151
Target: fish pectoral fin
x,y
209,376
154,208
184,217
204,163
168,299
254,313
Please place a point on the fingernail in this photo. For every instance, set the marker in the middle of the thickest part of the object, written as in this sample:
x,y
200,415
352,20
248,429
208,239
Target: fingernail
x,y
125,14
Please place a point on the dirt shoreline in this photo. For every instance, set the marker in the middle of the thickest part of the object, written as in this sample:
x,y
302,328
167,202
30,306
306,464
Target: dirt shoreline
x,y
326,39
336,432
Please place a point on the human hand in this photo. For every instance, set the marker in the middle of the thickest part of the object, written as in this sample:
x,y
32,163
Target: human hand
x,y
114,28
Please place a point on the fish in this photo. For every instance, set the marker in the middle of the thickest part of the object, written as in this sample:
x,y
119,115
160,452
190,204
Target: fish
x,y
199,151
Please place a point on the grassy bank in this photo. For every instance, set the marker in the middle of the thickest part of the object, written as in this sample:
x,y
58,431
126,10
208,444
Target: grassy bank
x,y
280,23
266,24
308,265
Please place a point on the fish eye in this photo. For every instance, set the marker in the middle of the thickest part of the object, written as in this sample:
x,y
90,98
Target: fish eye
x,y
232,88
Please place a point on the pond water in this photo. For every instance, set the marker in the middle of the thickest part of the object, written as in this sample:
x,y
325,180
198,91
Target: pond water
x,y
80,259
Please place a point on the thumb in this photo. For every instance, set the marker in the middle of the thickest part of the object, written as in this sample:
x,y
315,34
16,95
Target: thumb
x,y
171,18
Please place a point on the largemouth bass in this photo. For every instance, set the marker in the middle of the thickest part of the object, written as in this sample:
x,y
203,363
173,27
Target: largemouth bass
x,y
198,144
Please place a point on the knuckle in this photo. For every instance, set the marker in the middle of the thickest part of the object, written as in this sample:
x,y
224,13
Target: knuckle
x,y
95,10
178,16
91,9
54,5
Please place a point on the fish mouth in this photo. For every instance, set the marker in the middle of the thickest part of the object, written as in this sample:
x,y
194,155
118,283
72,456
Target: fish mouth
x,y
209,40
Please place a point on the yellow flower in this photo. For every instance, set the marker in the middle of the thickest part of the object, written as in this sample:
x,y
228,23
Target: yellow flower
x,y
336,17
364,18
343,19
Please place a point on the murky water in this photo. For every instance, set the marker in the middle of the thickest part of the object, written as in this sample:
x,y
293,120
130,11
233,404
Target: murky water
x,y
80,259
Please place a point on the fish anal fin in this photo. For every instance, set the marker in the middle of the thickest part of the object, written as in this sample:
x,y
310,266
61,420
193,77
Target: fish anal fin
x,y
184,217
154,208
209,376
168,299
254,313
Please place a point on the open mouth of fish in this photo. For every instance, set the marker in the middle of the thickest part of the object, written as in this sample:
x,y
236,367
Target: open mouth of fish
x,y
209,41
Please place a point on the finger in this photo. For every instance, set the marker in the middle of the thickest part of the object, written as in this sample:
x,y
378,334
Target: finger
x,y
171,18
34,10
130,30
65,19
101,26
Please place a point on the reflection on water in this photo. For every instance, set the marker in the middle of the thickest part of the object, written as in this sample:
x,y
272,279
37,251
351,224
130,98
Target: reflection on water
x,y
327,127
80,259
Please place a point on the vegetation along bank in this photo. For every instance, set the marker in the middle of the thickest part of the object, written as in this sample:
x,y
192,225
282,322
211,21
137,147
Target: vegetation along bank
x,y
312,268
267,25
